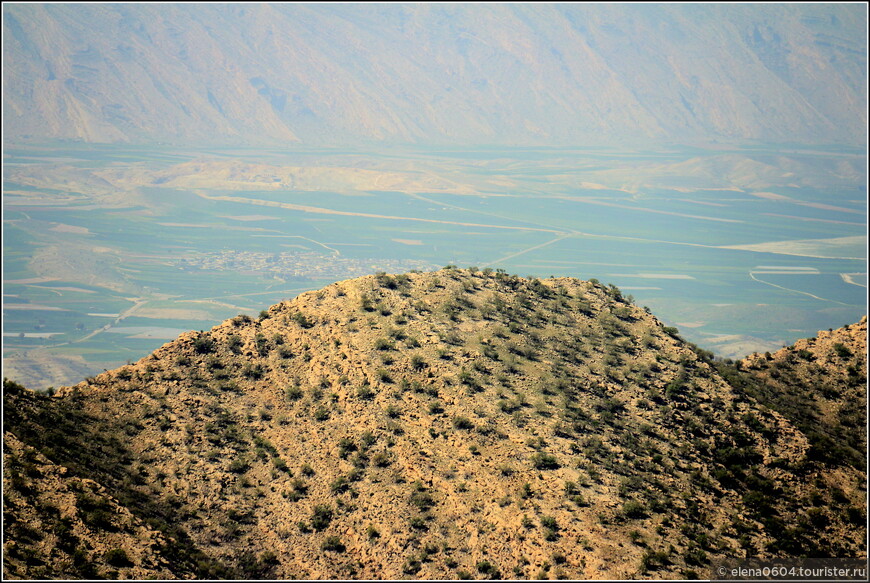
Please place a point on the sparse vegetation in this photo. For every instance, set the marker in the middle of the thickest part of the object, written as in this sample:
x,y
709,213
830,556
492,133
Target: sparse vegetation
x,y
203,344
461,422
321,517
634,509
118,558
333,543
542,409
544,461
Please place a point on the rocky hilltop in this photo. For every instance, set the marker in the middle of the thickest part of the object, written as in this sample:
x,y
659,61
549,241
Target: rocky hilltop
x,y
459,423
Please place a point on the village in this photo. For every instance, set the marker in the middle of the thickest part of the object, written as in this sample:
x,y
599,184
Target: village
x,y
297,264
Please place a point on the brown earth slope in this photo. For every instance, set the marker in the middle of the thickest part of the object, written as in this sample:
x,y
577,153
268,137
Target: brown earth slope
x,y
431,425
65,526
820,384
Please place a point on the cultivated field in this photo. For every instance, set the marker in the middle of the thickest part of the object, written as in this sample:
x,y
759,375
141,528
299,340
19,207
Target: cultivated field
x,y
111,251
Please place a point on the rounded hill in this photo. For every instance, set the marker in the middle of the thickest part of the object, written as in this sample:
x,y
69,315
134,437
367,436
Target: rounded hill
x,y
459,423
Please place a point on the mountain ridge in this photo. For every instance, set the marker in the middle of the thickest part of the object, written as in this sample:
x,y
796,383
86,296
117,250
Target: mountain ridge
x,y
503,74
462,423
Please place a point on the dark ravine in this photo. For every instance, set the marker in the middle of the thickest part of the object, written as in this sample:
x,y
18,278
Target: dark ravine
x,y
458,423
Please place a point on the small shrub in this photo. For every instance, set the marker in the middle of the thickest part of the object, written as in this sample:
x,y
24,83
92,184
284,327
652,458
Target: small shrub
x,y
462,423
672,331
339,485
418,363
203,344
239,466
381,459
214,363
118,558
634,509
299,490
545,461
367,439
842,350
412,566
549,522
418,523
345,447
695,556
303,322
526,491
321,517
422,500
261,343
385,280
254,371
384,344
334,544
241,319
466,378
653,560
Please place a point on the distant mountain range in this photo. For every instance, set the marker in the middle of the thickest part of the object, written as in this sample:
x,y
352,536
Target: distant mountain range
x,y
435,73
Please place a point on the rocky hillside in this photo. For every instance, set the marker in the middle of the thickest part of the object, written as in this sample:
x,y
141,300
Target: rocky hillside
x,y
72,524
514,74
820,384
459,423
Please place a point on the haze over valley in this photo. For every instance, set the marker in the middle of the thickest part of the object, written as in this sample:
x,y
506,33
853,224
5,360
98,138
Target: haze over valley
x,y
112,251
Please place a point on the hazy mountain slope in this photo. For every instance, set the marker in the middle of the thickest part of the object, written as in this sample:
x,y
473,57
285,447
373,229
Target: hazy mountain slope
x,y
445,424
479,74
